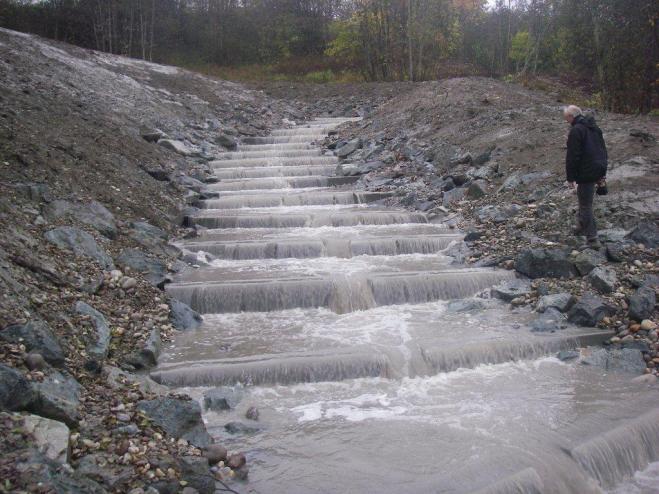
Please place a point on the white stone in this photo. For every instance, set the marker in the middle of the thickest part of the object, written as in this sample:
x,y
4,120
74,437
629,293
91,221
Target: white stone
x,y
52,437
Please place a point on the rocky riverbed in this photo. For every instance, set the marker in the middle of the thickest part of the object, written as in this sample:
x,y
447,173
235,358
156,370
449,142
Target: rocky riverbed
x,y
101,160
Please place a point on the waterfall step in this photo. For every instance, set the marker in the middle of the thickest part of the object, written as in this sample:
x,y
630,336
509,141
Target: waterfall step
x,y
249,219
276,153
273,292
278,183
273,161
275,171
324,247
315,198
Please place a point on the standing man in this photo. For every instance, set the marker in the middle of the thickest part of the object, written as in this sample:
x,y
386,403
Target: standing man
x,y
585,165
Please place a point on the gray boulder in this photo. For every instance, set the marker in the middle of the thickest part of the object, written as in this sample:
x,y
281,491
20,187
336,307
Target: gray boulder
x,y
176,146
93,214
194,470
183,317
588,260
625,360
240,428
226,141
615,252
642,302
549,321
511,289
497,214
559,301
603,279
477,189
515,181
589,310
348,148
51,476
178,418
15,391
57,397
153,239
80,243
454,195
154,270
151,135
147,356
97,467
99,342
545,263
646,233
37,338
51,437
222,398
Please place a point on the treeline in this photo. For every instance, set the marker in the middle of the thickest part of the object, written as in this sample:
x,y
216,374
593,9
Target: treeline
x,y
610,45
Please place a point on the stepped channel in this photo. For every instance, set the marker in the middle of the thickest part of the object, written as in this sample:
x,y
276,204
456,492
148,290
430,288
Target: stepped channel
x,y
377,364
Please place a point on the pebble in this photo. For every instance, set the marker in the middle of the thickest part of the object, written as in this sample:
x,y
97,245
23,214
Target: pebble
x,y
128,283
236,460
215,453
252,413
648,325
35,361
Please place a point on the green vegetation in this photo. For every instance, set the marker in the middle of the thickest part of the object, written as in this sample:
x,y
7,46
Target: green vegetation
x,y
607,46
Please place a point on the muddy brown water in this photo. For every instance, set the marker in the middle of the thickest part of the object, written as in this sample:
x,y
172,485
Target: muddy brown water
x,y
377,364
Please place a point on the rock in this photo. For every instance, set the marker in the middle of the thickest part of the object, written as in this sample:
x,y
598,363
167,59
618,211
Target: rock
x,y
147,356
195,472
648,325
226,141
52,476
641,345
641,303
545,263
477,189
454,195
511,289
549,321
178,418
473,235
560,301
176,146
515,181
215,453
51,437
93,214
37,337
151,135
35,361
153,239
646,233
57,397
154,270
236,461
183,317
565,355
461,159
603,279
80,243
99,343
36,192
348,148
625,360
15,391
497,214
589,310
97,467
223,398
588,260
240,428
615,252
252,413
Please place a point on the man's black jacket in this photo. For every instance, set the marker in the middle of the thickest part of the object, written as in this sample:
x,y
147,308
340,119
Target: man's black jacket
x,y
586,159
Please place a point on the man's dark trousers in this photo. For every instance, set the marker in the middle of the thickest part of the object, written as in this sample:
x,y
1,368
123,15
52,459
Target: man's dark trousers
x,y
585,194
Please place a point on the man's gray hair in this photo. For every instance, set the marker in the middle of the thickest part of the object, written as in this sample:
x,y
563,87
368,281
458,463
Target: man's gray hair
x,y
572,110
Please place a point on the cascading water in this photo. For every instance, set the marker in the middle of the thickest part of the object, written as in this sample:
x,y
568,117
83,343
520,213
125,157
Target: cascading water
x,y
334,318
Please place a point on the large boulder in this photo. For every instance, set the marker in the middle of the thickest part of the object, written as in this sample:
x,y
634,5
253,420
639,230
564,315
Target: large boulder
x,y
511,289
183,317
226,141
454,195
545,263
625,360
222,398
153,239
646,233
93,214
176,146
603,279
80,243
549,321
38,338
588,260
52,476
57,397
348,148
99,341
559,301
642,302
178,418
194,470
51,437
154,270
589,310
497,214
147,356
15,391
